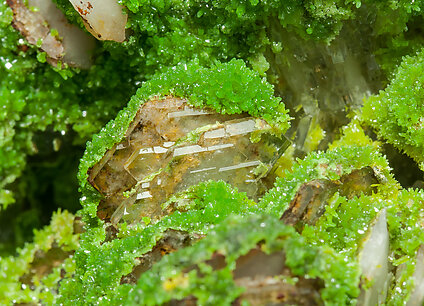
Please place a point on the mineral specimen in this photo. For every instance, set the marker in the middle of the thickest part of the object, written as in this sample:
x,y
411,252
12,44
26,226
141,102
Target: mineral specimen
x,y
397,113
110,265
33,276
336,228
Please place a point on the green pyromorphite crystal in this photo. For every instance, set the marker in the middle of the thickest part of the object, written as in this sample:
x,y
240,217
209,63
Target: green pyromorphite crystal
x,y
38,99
344,189
397,113
346,224
327,166
33,275
101,266
189,273
405,223
227,88
346,221
347,217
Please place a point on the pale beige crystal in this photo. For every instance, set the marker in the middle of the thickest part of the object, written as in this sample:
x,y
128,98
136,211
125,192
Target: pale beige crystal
x,y
104,19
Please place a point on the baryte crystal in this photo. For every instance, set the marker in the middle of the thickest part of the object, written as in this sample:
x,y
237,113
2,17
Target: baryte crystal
x,y
373,259
170,146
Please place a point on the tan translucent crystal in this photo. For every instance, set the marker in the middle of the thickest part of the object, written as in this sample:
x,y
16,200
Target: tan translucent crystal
x,y
37,18
171,146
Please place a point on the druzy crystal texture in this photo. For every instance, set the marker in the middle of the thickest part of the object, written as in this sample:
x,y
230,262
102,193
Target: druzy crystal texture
x,y
171,145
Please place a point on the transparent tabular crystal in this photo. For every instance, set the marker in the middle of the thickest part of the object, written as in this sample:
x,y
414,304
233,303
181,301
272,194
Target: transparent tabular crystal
x,y
171,146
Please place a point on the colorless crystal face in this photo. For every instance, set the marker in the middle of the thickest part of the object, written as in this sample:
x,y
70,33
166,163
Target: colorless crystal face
x,y
171,146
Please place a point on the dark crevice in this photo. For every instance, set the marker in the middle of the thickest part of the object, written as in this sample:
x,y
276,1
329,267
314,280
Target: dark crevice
x,y
405,169
55,165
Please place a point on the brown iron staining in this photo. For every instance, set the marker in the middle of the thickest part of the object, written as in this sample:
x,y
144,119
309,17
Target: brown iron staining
x,y
309,203
171,241
266,279
72,46
171,146
43,264
104,19
85,11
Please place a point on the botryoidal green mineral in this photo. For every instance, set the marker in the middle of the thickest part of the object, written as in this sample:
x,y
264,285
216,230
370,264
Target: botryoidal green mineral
x,y
61,105
114,267
161,36
38,98
101,266
355,171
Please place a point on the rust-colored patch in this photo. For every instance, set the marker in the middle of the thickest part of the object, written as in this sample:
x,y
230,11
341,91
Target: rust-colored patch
x,y
309,202
43,264
171,241
311,198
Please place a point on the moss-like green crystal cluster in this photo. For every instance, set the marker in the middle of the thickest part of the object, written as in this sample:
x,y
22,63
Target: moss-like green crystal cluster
x,y
34,274
397,113
101,265
233,239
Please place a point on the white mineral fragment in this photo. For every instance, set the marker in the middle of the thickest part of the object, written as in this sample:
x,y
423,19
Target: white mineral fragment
x,y
104,19
417,295
373,261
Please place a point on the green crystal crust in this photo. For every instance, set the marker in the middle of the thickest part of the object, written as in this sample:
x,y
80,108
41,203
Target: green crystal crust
x,y
165,33
33,275
397,113
346,222
330,165
228,88
101,265
46,116
170,280
405,223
